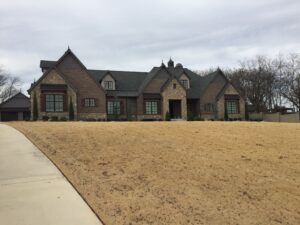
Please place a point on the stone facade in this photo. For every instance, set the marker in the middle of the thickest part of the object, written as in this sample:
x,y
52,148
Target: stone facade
x,y
92,116
230,90
171,93
53,78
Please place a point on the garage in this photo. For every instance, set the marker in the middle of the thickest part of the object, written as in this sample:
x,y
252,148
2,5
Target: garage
x,y
15,108
9,116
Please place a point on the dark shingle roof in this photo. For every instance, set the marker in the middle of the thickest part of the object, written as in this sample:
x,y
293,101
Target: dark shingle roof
x,y
47,63
132,83
197,83
17,101
125,80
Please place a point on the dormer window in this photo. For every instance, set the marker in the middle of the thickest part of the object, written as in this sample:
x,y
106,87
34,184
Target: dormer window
x,y
108,85
185,83
108,82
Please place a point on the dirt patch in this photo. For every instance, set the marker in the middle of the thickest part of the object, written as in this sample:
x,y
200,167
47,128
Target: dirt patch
x,y
179,173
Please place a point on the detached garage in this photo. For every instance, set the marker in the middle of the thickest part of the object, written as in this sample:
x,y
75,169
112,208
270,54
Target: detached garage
x,y
15,108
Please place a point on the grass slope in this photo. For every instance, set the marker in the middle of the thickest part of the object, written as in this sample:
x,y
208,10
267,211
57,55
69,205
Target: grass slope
x,y
179,173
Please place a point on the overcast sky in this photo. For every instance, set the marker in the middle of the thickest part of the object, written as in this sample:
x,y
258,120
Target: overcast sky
x,y
138,34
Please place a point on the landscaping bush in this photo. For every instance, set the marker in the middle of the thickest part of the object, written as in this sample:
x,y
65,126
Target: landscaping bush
x,y
190,116
90,119
35,109
45,118
71,110
54,118
63,119
168,118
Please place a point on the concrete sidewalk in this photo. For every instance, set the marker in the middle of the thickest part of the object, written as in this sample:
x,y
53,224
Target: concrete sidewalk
x,y
32,189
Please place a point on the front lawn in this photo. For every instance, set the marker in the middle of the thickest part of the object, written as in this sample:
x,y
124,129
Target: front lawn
x,y
178,172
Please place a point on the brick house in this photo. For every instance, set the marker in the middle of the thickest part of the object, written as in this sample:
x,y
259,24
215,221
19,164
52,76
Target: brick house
x,y
123,95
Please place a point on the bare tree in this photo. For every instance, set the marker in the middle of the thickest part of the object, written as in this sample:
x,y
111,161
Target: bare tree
x,y
256,80
206,71
3,77
9,85
291,80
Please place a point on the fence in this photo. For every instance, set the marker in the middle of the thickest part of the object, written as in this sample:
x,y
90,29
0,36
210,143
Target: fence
x,y
276,117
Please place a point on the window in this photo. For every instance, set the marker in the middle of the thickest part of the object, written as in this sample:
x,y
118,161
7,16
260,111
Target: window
x,y
185,83
108,85
89,102
54,103
209,107
232,107
174,86
151,107
113,108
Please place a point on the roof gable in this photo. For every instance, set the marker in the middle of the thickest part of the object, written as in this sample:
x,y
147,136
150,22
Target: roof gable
x,y
152,74
125,80
19,100
45,75
57,67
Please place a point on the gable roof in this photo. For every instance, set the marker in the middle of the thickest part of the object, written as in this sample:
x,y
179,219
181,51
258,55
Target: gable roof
x,y
18,100
46,73
53,65
129,83
125,80
46,63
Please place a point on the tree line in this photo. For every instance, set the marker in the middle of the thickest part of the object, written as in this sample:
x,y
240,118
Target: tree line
x,y
267,83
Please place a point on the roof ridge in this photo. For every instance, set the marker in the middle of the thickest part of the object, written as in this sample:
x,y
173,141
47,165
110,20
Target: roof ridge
x,y
118,71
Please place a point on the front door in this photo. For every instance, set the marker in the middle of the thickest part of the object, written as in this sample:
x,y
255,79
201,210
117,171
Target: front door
x,y
175,109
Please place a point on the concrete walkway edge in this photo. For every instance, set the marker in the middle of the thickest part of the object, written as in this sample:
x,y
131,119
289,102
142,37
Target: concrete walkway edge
x,y
32,190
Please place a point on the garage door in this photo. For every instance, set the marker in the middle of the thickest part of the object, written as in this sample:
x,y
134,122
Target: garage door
x,y
9,116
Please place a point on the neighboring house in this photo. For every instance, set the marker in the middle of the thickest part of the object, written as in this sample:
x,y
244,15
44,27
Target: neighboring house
x,y
16,107
123,95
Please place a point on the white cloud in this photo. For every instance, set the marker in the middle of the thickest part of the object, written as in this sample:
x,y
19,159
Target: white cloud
x,y
137,34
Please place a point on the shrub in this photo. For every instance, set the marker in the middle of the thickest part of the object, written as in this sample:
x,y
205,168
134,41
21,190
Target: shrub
x,y
226,114
63,119
54,118
190,116
45,118
168,118
198,118
90,119
35,113
71,110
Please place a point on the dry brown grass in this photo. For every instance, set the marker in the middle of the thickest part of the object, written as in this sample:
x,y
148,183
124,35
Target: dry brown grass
x,y
179,173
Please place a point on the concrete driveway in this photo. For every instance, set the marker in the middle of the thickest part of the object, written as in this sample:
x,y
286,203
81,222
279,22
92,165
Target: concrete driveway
x,y
32,189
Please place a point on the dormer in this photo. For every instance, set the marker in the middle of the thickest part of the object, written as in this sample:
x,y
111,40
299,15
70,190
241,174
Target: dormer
x,y
108,82
185,80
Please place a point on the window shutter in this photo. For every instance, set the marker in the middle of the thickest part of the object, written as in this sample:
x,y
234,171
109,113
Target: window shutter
x,y
96,102
42,102
82,102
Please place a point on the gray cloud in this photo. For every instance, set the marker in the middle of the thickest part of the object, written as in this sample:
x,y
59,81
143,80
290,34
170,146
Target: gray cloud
x,y
137,34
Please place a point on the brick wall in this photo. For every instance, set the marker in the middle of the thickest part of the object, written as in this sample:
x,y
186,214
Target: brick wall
x,y
85,85
209,97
